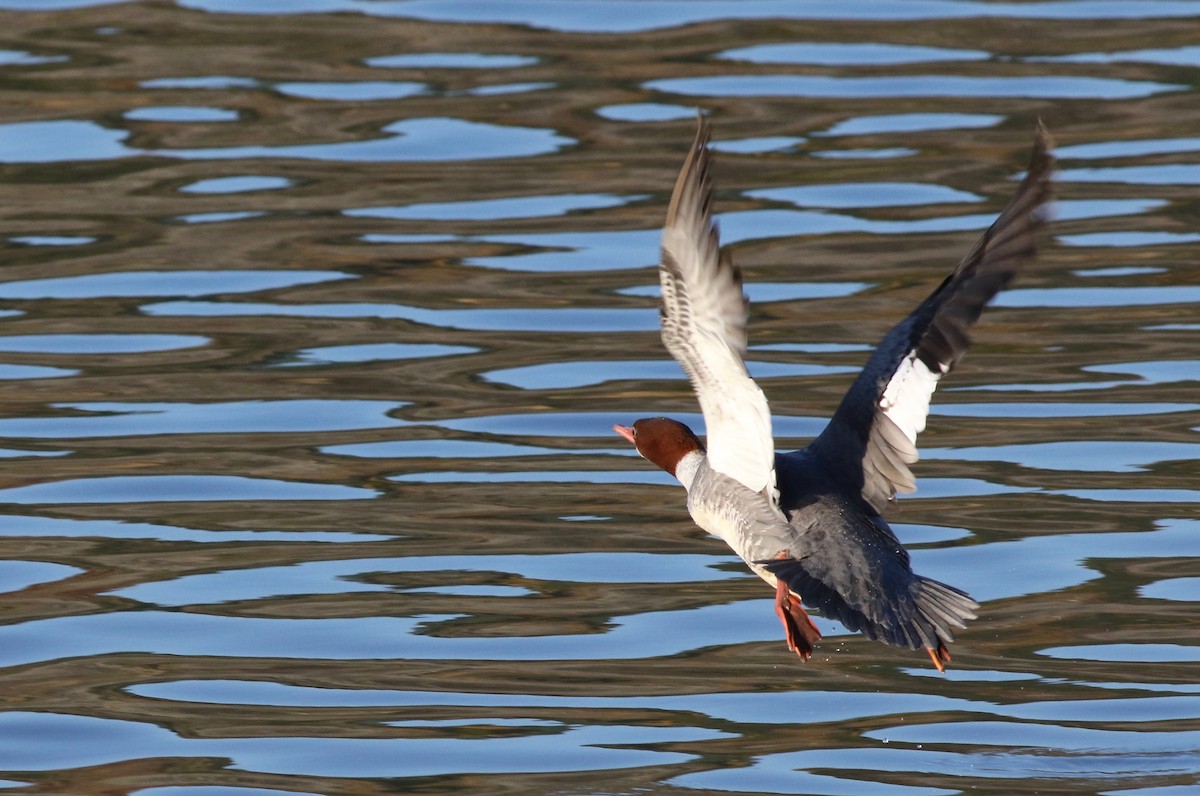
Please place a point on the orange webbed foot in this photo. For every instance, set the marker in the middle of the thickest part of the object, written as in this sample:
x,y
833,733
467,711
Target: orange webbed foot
x,y
799,631
939,656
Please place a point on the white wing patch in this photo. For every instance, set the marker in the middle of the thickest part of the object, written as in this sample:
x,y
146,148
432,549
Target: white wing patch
x,y
704,314
935,332
892,443
905,401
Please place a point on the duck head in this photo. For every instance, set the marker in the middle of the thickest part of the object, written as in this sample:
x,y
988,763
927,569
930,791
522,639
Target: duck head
x,y
662,440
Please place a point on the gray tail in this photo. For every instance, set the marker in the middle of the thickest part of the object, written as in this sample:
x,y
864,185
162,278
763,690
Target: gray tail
x,y
945,608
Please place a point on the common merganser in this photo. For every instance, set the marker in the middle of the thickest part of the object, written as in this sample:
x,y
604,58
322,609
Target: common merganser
x,y
810,522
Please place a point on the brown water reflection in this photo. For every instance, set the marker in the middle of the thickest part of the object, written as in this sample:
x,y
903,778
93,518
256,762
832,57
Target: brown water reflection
x,y
510,603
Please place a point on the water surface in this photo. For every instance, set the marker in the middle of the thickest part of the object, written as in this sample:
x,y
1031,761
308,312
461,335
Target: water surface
x,y
318,313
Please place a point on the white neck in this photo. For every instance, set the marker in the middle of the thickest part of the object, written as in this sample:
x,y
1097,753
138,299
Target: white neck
x,y
686,469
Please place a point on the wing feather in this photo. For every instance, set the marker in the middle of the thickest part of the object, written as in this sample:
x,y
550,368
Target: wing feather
x,y
704,315
872,437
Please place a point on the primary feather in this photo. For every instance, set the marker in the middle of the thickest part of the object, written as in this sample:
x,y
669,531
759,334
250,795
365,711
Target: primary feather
x,y
704,314
872,437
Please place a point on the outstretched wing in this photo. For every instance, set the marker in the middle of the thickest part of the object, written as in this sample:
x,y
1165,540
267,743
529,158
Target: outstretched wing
x,y
704,313
872,436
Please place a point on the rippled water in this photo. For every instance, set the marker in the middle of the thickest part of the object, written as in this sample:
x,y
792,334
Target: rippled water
x,y
317,314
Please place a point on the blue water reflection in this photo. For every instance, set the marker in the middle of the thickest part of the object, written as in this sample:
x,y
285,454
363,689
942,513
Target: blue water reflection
x,y
740,707
848,54
18,575
788,772
1178,589
1099,456
645,112
418,140
627,16
1164,174
407,140
97,344
373,352
507,88
86,741
643,635
567,319
1144,373
754,146
1126,653
1187,55
240,184
1047,564
455,449
175,489
1122,296
1129,239
23,58
181,114
571,375
1058,410
1156,496
216,790
1040,86
865,194
337,577
1104,150
201,82
1120,270
645,477
571,251
745,225
14,453
463,60
352,91
215,218
871,154
10,372
496,209
164,283
22,525
911,123
57,141
117,419
52,240
590,425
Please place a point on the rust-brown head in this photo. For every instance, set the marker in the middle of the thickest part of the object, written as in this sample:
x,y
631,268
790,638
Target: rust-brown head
x,y
661,440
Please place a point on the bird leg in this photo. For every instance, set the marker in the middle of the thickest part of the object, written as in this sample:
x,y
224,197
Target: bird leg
x,y
939,656
798,629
